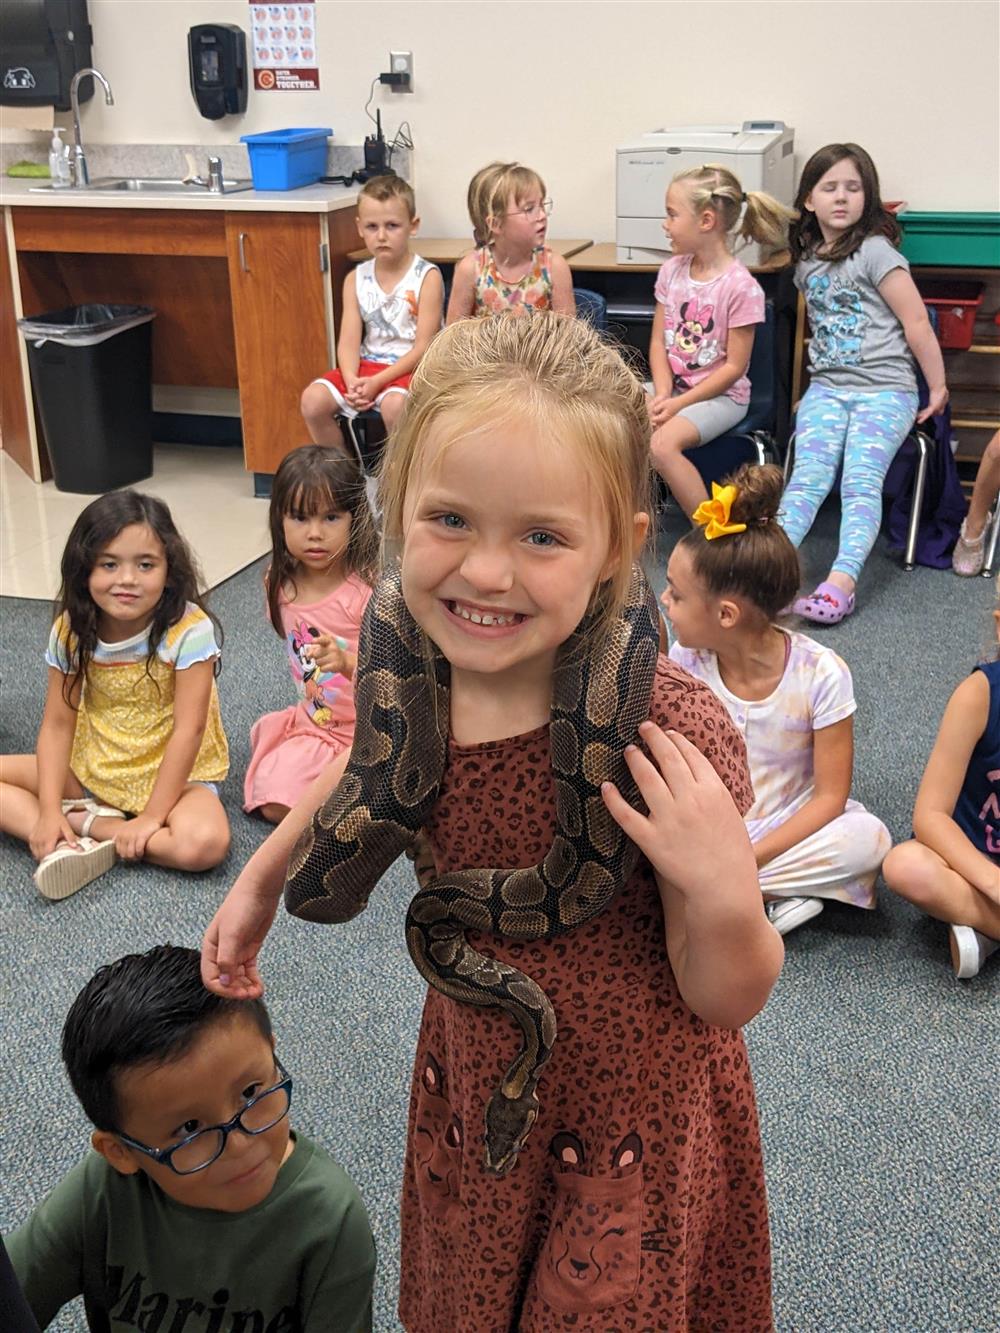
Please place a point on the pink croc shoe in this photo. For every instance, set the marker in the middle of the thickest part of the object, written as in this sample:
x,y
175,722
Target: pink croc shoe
x,y
969,555
828,605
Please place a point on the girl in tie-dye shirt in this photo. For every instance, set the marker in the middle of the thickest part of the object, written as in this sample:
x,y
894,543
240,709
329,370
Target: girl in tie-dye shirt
x,y
791,697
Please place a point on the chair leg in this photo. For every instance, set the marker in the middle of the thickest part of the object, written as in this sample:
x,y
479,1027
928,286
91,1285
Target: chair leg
x,y
352,432
764,446
992,541
916,500
789,458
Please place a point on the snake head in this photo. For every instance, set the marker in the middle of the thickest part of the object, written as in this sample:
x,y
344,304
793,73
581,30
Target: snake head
x,y
508,1123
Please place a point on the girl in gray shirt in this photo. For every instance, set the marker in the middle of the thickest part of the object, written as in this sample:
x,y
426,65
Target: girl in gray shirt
x,y
868,325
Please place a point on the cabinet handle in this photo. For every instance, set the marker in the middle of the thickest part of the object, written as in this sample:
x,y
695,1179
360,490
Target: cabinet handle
x,y
243,254
324,257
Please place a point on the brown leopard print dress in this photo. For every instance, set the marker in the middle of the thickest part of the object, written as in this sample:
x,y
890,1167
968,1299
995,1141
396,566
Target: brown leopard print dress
x,y
638,1203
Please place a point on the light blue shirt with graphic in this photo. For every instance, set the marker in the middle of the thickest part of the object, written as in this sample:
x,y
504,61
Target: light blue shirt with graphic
x,y
857,342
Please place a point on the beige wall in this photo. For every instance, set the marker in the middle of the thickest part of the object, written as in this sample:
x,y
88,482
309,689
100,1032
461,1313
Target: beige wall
x,y
558,85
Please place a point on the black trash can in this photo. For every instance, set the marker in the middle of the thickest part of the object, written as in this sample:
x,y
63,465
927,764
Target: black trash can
x,y
91,372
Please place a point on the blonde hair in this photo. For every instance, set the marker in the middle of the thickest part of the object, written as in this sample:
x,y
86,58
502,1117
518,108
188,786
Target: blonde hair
x,y
556,371
714,187
380,189
492,189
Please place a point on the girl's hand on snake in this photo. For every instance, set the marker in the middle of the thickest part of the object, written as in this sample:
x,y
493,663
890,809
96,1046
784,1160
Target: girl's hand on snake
x,y
233,942
693,835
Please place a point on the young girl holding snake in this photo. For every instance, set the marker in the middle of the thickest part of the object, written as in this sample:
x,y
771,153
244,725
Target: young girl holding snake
x,y
791,697
517,498
324,550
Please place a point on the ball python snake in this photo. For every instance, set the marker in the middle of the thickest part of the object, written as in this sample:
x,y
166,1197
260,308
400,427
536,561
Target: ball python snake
x,y
391,784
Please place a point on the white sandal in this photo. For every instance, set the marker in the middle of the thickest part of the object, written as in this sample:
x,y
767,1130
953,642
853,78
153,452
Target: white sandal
x,y
67,869
94,811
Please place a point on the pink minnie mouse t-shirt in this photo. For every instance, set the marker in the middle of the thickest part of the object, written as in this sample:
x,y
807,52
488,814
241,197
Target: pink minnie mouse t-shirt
x,y
697,317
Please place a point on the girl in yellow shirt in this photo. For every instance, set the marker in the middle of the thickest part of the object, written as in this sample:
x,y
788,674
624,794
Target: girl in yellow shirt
x,y
131,743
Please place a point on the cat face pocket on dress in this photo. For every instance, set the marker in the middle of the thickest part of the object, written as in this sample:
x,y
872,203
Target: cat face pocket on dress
x,y
437,1143
591,1255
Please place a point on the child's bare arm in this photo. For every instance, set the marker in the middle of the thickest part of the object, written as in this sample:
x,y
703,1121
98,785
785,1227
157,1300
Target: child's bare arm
x,y
52,751
351,332
563,300
739,345
833,765
663,376
961,727
900,294
724,953
236,933
461,303
192,693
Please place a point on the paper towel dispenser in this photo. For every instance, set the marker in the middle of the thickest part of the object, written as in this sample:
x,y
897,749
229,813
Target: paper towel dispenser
x,y
42,45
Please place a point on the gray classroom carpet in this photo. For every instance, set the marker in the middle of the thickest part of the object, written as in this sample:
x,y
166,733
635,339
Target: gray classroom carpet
x,y
875,1069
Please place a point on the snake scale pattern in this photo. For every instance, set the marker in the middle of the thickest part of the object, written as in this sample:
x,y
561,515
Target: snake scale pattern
x,y
389,789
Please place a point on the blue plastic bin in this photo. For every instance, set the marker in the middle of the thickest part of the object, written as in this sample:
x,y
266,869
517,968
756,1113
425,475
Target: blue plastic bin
x,y
287,159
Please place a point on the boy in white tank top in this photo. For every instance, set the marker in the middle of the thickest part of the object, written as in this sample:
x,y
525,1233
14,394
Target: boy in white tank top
x,y
393,305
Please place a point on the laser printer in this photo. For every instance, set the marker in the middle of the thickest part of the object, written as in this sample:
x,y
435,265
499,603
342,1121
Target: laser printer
x,y
760,153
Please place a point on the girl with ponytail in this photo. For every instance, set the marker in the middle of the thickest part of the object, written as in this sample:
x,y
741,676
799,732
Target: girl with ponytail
x,y
707,308
791,697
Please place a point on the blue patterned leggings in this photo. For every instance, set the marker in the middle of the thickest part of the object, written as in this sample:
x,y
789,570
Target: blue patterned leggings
x,y
862,430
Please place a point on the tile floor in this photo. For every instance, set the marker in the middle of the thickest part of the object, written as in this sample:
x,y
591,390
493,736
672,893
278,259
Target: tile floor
x,y
209,493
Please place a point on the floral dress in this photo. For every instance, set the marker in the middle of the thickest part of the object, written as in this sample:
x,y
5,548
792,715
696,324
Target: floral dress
x,y
494,295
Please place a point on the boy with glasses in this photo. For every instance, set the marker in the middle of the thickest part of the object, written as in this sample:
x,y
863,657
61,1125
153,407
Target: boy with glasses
x,y
199,1209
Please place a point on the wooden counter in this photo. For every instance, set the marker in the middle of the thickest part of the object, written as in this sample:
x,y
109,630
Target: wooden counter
x,y
247,295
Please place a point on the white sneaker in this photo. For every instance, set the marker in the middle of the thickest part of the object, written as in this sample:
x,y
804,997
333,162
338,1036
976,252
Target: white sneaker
x,y
67,869
969,950
786,914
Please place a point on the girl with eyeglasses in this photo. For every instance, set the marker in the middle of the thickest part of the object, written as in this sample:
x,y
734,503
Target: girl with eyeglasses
x,y
511,270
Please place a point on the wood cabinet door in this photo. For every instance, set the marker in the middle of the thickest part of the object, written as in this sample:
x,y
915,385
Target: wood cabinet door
x,y
282,322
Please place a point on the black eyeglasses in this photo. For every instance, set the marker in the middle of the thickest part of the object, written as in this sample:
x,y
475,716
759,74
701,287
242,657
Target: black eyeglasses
x,y
200,1150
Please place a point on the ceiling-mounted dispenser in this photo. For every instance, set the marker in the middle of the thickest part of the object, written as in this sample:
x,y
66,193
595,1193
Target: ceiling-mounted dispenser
x,y
217,56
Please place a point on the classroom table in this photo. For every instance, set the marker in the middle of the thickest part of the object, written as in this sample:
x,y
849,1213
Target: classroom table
x,y
601,258
449,250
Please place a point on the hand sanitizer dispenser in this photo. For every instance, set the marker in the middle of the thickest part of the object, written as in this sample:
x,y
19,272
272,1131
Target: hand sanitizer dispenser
x,y
58,158
217,55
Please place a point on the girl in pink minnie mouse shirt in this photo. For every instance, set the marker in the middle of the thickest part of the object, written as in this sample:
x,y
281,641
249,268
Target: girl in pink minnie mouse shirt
x,y
707,307
324,552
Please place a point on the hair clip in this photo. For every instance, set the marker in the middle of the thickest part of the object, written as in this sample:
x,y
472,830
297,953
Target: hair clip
x,y
713,514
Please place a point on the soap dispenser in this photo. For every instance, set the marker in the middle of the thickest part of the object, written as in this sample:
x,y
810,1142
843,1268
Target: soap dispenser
x,y
58,158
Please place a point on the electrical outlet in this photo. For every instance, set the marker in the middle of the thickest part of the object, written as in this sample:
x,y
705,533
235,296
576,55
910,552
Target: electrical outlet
x,y
401,62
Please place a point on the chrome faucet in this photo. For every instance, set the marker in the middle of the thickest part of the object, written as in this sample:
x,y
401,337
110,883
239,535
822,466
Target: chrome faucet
x,y
78,173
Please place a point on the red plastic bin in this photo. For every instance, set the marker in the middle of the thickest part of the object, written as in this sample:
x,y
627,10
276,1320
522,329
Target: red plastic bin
x,y
956,304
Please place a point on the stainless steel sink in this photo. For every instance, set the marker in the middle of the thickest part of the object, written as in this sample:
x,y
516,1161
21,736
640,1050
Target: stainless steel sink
x,y
148,185
151,185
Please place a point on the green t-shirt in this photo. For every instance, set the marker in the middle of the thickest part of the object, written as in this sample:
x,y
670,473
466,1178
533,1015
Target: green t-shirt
x,y
302,1261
